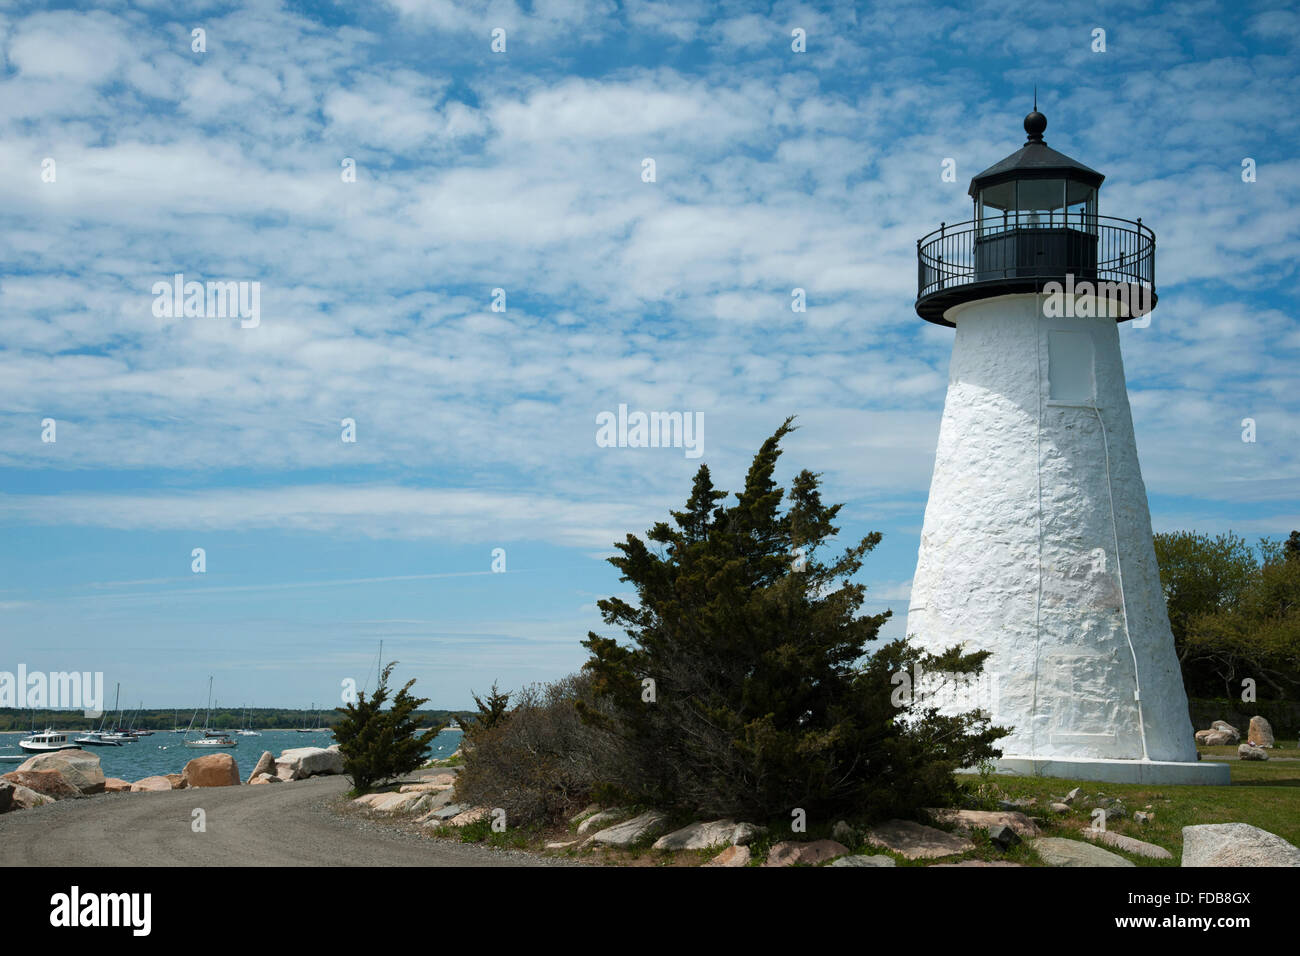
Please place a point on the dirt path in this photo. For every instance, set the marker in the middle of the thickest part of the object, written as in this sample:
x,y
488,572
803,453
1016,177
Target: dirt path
x,y
289,824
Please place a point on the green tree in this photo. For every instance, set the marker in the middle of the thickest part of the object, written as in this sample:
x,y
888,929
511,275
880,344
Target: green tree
x,y
379,744
1202,575
1258,635
491,712
743,689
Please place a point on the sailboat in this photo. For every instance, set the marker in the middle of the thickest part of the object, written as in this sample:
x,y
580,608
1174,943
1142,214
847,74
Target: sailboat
x,y
309,729
97,738
247,730
209,740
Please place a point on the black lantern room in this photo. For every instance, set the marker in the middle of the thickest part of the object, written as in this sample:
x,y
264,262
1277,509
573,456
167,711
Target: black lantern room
x,y
1035,221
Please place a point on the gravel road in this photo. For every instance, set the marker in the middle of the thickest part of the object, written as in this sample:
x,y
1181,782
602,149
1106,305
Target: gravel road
x,y
289,824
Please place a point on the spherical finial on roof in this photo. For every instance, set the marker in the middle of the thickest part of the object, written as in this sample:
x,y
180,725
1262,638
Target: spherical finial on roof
x,y
1035,123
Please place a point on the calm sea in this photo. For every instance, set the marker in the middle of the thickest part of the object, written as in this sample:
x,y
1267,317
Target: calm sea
x,y
164,752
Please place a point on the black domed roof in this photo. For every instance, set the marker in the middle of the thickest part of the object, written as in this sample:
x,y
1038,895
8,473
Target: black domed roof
x,y
1035,160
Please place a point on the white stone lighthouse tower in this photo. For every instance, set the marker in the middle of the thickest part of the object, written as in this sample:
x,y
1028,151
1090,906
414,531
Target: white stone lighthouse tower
x,y
1037,540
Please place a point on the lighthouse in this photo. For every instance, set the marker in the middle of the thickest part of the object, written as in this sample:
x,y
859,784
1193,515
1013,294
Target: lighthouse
x,y
1037,544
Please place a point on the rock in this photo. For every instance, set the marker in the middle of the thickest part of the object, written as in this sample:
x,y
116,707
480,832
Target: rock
x,y
6,796
302,762
211,770
1219,738
48,783
860,860
1020,803
1071,796
916,841
116,785
437,780
449,812
698,836
1202,736
152,785
967,820
789,852
1143,817
1056,851
630,831
265,765
24,798
597,820
1236,844
472,815
1260,733
844,833
178,780
977,863
747,833
1061,808
585,812
1224,727
561,846
1252,752
1004,837
265,778
731,856
395,802
424,787
79,769
1121,842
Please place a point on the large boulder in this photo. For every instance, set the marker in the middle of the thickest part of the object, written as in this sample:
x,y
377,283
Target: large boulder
x,y
1260,733
48,783
1127,843
966,820
211,770
1056,851
1236,844
265,764
789,852
152,785
116,785
596,820
1249,751
916,841
6,796
625,834
302,762
698,836
1224,727
1219,738
78,768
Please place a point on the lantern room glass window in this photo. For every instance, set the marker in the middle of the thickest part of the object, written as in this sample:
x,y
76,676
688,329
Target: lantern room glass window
x,y
1036,204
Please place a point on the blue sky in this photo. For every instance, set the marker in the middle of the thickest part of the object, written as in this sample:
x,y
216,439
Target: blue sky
x,y
523,171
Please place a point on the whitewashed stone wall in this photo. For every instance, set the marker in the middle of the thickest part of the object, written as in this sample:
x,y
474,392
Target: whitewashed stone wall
x,y
1050,610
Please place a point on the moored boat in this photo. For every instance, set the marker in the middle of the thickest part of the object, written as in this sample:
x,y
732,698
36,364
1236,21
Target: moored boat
x,y
46,742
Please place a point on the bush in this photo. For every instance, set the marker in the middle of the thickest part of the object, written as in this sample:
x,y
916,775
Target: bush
x,y
379,744
743,689
540,760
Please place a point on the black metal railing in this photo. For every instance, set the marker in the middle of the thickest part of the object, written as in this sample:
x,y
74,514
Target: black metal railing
x,y
1092,248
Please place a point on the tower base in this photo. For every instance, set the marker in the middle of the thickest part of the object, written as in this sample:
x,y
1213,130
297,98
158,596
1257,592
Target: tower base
x,y
1211,773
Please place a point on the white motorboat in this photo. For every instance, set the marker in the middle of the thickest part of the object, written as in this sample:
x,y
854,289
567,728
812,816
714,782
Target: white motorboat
x,y
47,742
98,739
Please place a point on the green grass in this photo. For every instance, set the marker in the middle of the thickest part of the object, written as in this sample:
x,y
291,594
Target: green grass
x,y
1266,795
